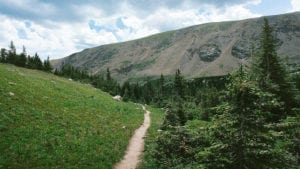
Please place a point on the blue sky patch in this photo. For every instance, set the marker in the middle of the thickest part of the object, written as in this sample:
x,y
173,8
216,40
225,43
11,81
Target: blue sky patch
x,y
120,24
97,28
27,24
271,7
22,34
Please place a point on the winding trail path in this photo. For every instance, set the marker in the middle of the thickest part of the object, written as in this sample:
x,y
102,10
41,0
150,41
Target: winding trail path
x,y
136,145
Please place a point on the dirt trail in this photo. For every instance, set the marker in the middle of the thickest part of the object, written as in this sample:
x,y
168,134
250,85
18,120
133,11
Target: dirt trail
x,y
135,146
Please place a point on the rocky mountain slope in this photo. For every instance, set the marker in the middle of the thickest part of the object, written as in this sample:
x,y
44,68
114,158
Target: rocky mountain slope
x,y
201,50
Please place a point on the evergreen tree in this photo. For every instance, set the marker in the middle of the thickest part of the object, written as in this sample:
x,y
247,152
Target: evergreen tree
x,y
179,84
21,59
108,77
269,72
149,92
118,89
37,63
137,92
241,135
47,65
126,91
3,57
171,118
11,58
161,86
57,72
181,114
30,62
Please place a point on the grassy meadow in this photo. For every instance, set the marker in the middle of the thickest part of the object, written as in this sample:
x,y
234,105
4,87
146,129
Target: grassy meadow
x,y
52,122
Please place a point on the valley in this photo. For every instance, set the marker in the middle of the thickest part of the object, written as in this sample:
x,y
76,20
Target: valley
x,y
218,95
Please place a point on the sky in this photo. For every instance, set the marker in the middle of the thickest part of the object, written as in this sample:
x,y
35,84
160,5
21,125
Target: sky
x,y
58,28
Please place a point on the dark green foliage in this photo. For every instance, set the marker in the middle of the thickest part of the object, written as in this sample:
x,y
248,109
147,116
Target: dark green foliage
x,y
126,91
175,116
23,60
207,98
173,149
269,72
47,65
149,92
108,85
11,57
37,62
242,136
108,77
3,54
179,84
137,91
162,90
74,73
161,86
177,147
253,124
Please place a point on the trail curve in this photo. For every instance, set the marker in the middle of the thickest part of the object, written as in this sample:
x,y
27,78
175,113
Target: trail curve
x,y
136,145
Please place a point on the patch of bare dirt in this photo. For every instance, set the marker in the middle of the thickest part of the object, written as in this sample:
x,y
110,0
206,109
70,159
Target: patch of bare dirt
x,y
136,145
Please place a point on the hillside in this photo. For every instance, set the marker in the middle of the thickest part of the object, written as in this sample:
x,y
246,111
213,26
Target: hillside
x,y
207,49
52,122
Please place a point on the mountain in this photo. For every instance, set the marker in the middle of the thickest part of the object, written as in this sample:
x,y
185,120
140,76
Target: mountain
x,y
202,50
51,122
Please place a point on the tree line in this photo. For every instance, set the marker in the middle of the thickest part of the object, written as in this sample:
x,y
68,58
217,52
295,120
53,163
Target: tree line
x,y
23,59
254,122
102,81
141,92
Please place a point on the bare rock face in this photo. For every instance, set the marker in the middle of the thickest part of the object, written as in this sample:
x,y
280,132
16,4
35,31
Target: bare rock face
x,y
209,52
201,50
241,49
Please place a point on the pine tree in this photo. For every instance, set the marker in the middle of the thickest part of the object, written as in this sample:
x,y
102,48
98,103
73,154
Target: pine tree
x,y
3,54
30,62
126,91
269,72
161,86
179,84
181,114
21,59
11,58
241,135
47,65
108,76
137,91
171,118
38,64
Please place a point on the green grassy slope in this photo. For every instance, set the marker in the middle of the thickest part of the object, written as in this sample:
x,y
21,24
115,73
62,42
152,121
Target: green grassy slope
x,y
52,122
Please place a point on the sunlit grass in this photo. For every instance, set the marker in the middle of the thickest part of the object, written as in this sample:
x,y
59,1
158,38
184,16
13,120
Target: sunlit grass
x,y
51,122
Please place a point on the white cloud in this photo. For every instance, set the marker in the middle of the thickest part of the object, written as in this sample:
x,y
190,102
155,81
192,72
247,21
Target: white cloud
x,y
58,39
234,12
295,5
